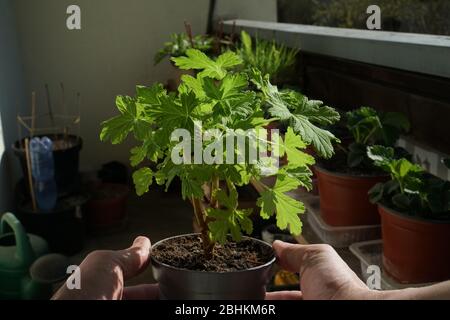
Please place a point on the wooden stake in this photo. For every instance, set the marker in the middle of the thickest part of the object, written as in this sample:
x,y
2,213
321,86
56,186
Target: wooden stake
x,y
188,28
30,177
49,105
63,99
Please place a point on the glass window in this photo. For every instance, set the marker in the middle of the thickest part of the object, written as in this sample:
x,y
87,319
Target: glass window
x,y
415,16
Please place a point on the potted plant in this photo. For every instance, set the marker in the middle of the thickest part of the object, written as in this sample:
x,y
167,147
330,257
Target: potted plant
x,y
415,219
344,180
269,57
177,47
107,206
216,105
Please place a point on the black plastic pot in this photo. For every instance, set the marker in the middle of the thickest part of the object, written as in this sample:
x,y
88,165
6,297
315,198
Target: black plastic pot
x,y
66,161
63,228
183,284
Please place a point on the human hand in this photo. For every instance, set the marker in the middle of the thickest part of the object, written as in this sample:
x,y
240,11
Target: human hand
x,y
323,274
103,274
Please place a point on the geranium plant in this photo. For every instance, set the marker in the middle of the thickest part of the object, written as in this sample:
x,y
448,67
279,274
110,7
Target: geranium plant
x,y
369,127
221,103
411,190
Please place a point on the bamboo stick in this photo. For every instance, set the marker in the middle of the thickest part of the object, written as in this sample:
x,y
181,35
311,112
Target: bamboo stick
x,y
30,178
188,28
49,105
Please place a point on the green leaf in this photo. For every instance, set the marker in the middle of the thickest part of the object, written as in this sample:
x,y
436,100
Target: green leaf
x,y
321,139
150,95
291,146
142,179
402,201
382,156
287,209
195,84
197,60
137,156
376,193
314,110
356,154
118,128
173,114
229,222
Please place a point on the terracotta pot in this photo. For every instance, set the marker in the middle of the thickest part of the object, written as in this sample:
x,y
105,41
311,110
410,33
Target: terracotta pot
x,y
344,199
109,210
415,250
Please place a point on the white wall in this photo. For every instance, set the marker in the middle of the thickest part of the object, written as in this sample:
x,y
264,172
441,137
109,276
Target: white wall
x,y
261,10
110,55
11,101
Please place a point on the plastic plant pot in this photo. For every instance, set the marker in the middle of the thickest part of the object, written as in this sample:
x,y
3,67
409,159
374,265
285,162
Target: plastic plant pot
x,y
344,199
108,206
415,250
66,160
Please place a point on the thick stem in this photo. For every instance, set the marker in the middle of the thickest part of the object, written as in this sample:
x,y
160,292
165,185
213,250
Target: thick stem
x,y
201,220
215,185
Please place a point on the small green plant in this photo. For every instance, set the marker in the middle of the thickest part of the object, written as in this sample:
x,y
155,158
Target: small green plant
x,y
369,127
268,57
411,190
221,101
180,43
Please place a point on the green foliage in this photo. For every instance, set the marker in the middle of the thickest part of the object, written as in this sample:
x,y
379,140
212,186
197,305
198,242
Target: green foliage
x,y
369,127
180,43
303,115
223,100
268,57
410,190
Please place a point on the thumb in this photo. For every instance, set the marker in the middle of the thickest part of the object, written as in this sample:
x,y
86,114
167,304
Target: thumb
x,y
135,259
289,256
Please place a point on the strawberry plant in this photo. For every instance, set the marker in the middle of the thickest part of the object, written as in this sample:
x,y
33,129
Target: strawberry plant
x,y
411,190
369,127
222,101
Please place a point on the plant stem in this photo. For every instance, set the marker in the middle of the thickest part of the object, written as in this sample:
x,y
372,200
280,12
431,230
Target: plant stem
x,y
215,184
200,215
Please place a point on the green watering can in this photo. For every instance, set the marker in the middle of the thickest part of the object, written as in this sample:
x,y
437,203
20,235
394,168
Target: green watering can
x,y
27,271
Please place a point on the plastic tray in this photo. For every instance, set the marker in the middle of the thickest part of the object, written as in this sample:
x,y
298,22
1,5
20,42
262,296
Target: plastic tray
x,y
339,237
370,253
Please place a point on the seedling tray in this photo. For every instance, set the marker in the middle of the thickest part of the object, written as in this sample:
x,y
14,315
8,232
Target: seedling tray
x,y
339,237
370,253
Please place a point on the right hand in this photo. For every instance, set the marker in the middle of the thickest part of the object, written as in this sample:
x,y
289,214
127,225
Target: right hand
x,y
323,274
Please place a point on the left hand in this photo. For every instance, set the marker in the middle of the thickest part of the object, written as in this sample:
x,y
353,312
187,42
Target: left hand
x,y
103,274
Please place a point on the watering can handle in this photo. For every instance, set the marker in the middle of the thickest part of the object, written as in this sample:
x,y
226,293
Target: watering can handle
x,y
24,251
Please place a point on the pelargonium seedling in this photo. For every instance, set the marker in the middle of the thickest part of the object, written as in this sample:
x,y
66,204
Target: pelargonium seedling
x,y
224,101
411,190
369,127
